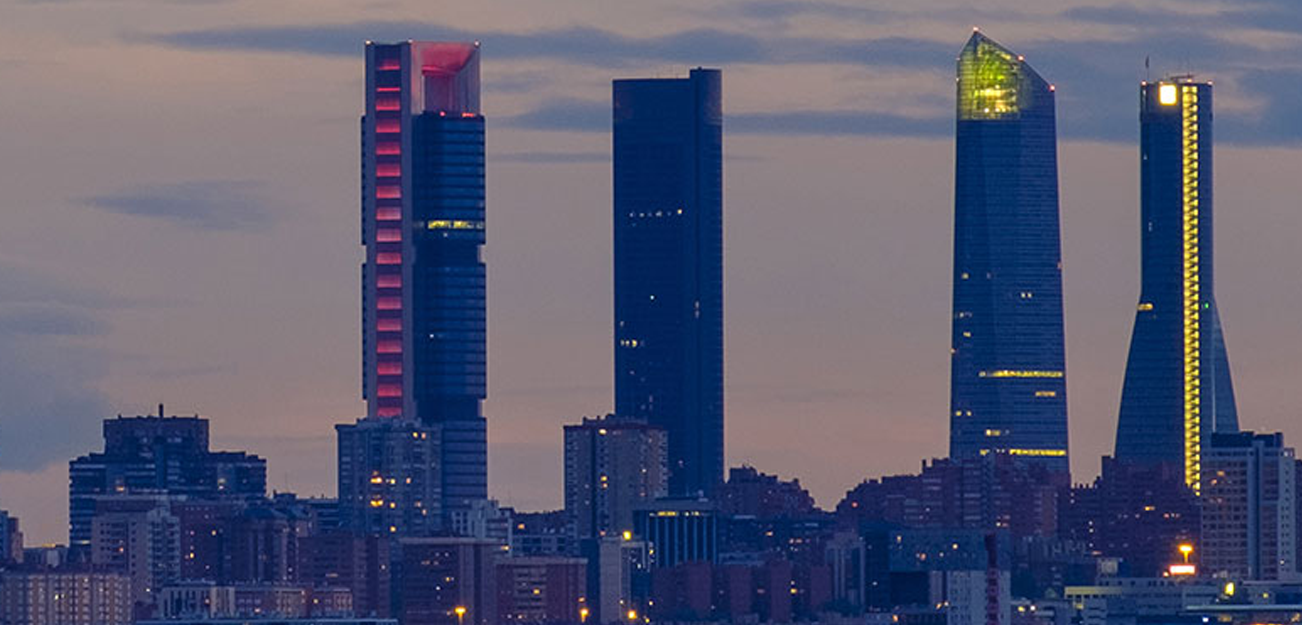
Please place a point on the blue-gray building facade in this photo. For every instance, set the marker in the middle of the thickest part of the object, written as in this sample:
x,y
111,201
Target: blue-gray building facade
x,y
1008,391
668,222
1177,390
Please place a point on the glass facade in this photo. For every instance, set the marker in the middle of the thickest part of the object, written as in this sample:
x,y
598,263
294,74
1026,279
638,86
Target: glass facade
x,y
1008,390
668,186
424,319
1177,389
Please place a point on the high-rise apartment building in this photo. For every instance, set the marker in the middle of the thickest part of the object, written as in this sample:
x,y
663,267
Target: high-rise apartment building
x,y
423,298
158,455
389,477
1008,387
668,183
612,467
1249,508
1177,390
140,537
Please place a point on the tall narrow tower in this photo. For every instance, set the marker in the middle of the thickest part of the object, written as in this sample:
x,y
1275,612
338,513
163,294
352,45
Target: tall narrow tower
x,y
668,147
423,298
1177,389
1008,390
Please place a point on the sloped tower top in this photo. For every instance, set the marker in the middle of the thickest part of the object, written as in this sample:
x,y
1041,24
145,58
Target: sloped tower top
x,y
994,82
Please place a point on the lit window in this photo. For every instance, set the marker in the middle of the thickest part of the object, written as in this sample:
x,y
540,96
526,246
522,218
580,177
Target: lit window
x,y
1166,94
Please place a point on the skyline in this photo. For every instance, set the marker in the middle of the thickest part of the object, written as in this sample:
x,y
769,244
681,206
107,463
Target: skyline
x,y
840,373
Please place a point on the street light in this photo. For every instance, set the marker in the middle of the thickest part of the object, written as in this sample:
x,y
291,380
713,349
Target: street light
x,y
1185,550
583,615
461,613
632,615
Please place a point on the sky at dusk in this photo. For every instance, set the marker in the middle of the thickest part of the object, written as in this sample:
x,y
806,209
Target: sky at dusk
x,y
179,220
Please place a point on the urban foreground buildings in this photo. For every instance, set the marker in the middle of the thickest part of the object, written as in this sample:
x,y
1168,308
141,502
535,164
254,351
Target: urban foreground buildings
x,y
152,456
612,466
423,298
986,537
1008,389
1177,388
668,168
1249,508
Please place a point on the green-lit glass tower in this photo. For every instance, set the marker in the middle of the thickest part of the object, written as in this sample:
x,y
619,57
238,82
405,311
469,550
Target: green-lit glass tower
x,y
1008,391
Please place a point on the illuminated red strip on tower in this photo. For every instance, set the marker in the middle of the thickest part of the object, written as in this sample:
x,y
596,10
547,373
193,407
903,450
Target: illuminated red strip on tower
x,y
386,294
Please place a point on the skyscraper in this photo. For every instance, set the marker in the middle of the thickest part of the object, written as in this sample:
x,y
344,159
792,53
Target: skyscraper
x,y
1177,389
668,158
423,299
1008,390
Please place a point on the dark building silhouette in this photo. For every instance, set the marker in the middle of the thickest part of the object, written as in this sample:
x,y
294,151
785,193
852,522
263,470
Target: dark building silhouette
x,y
436,576
612,466
540,590
1177,389
358,563
11,540
680,530
1008,390
993,492
423,281
668,186
749,492
1139,512
157,455
389,477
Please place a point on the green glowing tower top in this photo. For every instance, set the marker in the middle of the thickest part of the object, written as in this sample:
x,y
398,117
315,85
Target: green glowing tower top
x,y
993,82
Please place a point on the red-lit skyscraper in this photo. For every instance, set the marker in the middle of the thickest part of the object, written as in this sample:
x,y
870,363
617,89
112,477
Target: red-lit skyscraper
x,y
423,299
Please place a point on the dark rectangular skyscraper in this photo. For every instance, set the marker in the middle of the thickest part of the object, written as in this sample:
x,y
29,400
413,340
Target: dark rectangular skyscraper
x,y
668,147
1008,391
1177,390
423,298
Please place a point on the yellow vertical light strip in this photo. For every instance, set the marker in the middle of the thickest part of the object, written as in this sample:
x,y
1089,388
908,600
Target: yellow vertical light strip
x,y
1191,289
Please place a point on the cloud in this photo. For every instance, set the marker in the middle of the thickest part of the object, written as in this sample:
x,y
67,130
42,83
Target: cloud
x,y
22,286
1097,78
551,157
48,321
838,123
199,204
1269,15
580,45
1098,82
50,378
587,116
564,115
